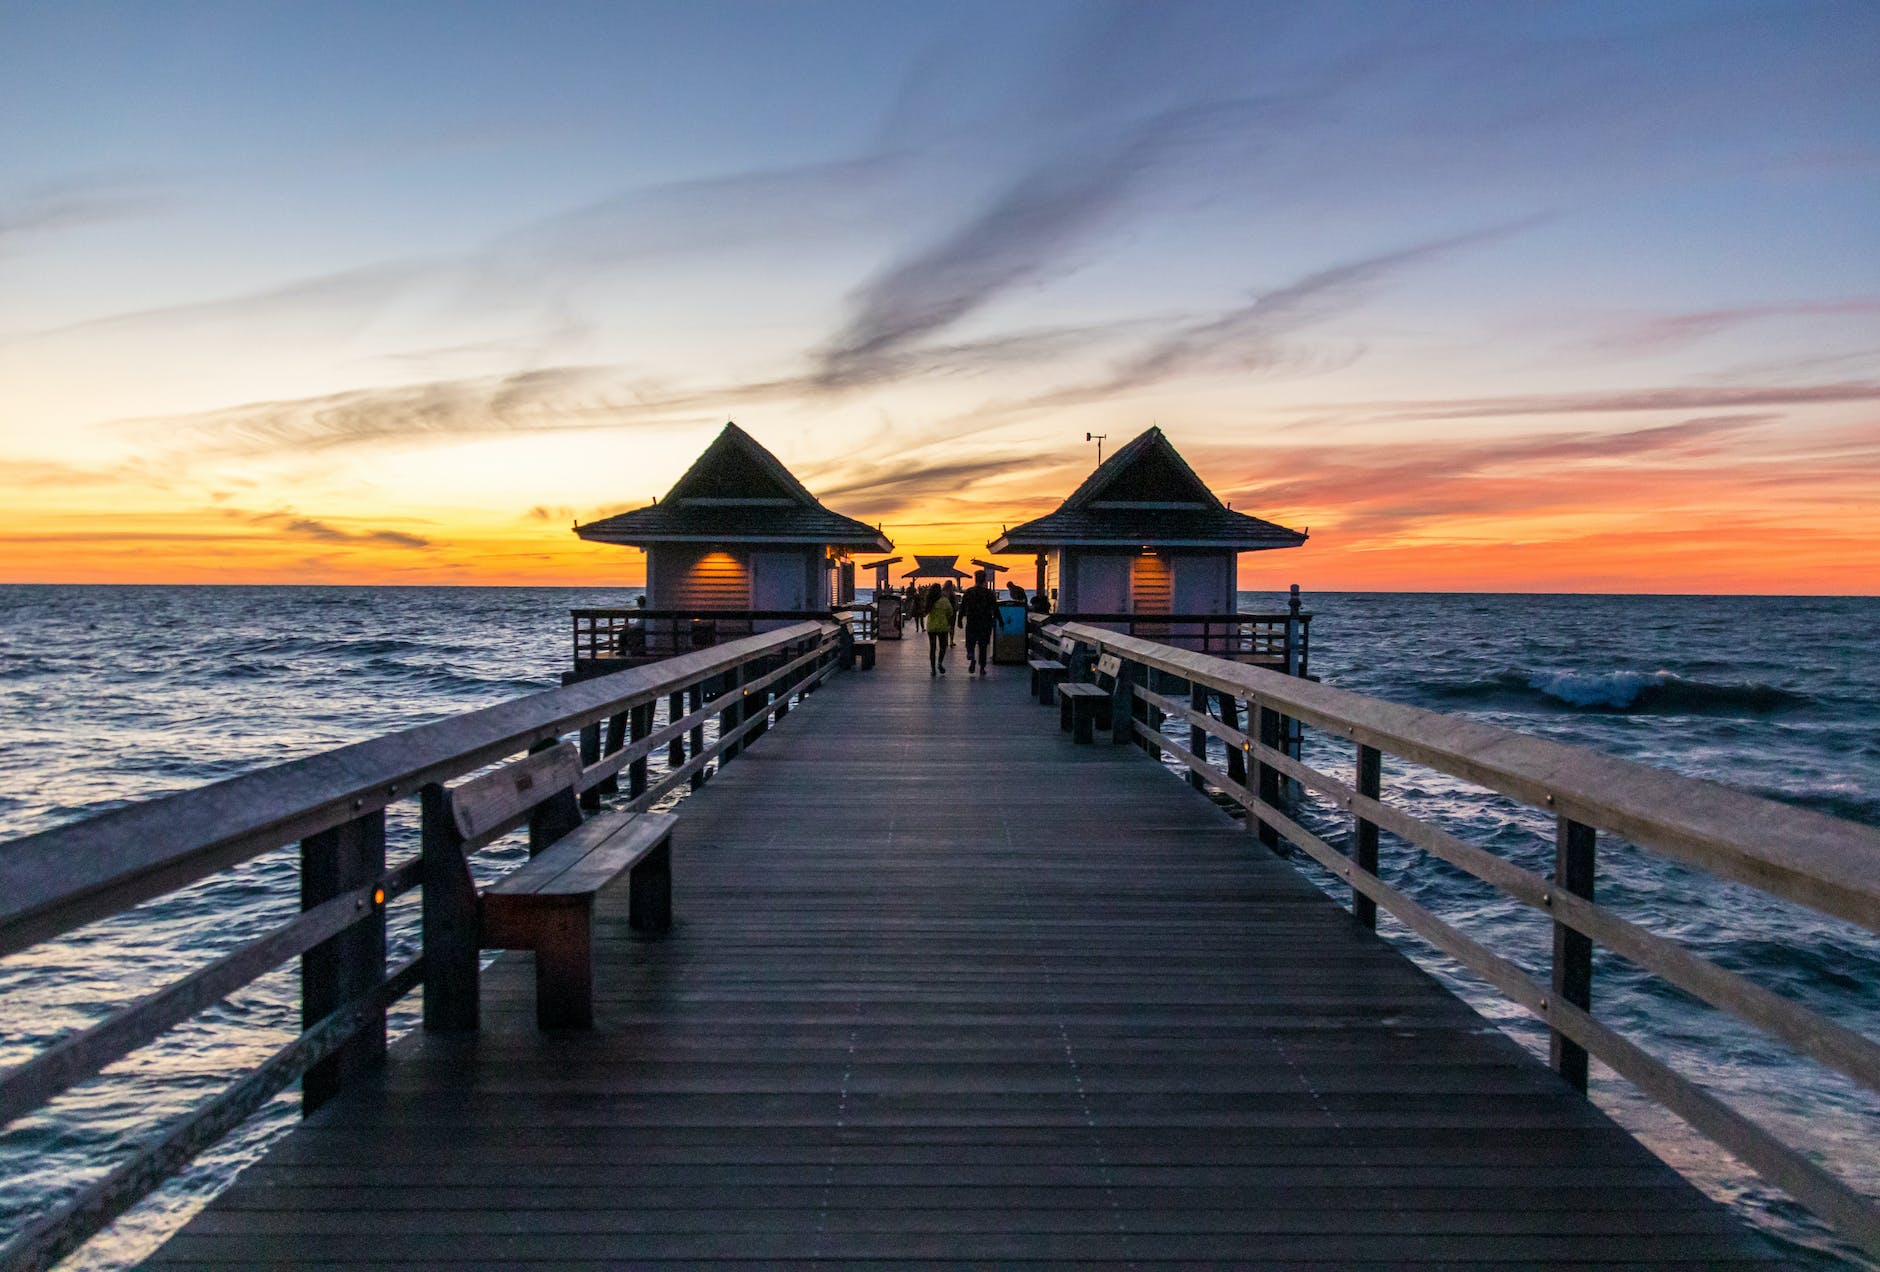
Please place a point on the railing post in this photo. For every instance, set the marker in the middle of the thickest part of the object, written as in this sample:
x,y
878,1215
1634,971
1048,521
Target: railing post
x,y
786,683
758,702
590,754
616,738
675,711
1371,785
1124,703
1294,643
450,919
1197,736
1268,775
639,725
349,964
694,699
1230,716
1575,850
1141,710
733,715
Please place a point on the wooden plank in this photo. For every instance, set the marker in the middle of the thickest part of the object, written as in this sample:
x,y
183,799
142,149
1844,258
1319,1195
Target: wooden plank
x,y
491,803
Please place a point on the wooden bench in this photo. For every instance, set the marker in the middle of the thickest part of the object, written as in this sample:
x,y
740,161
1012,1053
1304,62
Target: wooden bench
x,y
1047,672
1083,706
862,652
546,905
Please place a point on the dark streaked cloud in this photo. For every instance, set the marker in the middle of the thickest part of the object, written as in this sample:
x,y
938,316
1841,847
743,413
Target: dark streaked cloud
x,y
882,489
292,525
552,398
1021,234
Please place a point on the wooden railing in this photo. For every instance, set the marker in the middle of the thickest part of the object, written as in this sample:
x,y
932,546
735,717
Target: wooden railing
x,y
334,805
603,635
1829,865
1280,641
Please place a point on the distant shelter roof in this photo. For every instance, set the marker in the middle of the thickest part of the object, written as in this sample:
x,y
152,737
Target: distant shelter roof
x,y
737,492
936,567
1145,495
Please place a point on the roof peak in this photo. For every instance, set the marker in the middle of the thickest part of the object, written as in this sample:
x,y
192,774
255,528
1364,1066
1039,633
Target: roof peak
x,y
714,463
1149,446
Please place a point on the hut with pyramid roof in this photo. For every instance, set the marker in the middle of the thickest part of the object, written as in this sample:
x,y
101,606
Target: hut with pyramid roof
x,y
1143,535
737,537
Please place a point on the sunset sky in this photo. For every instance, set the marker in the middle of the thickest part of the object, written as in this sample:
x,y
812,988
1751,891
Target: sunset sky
x,y
1493,296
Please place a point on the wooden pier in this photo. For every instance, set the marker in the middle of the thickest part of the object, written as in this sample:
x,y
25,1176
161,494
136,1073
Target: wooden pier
x,y
944,989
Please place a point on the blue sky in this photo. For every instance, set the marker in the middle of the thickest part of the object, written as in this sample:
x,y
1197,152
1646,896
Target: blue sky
x,y
429,270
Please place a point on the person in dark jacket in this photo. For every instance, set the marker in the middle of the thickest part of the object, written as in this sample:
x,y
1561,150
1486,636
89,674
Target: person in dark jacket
x,y
979,613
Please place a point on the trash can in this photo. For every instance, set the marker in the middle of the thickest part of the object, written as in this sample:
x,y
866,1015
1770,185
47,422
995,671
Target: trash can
x,y
1008,637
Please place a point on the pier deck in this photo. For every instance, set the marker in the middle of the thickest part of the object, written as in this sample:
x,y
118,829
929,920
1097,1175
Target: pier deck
x,y
944,989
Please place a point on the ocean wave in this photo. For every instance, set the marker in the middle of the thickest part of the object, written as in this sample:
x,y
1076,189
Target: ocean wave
x,y
1634,692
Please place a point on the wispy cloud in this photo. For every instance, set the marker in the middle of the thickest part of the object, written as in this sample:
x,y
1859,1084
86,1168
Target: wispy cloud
x,y
885,489
1252,336
1625,401
552,398
71,205
1021,234
1376,490
294,526
1664,332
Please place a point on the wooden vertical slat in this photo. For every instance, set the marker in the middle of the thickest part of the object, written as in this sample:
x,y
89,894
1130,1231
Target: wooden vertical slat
x,y
1197,737
758,702
639,725
1230,716
1123,704
590,754
1364,855
733,714
695,698
1575,853
675,709
616,738
1269,776
450,919
346,965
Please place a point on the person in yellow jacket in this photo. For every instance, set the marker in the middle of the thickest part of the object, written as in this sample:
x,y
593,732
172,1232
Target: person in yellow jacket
x,y
939,630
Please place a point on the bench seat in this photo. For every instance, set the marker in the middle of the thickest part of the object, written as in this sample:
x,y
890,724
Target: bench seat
x,y
1081,707
547,905
1045,674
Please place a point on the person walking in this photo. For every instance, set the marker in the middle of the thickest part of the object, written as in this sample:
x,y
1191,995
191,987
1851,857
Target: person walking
x,y
939,630
952,594
979,613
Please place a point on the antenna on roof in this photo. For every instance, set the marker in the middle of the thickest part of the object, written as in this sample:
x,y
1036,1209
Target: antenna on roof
x,y
1098,439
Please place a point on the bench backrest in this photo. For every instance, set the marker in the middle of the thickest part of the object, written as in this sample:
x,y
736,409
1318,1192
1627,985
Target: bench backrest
x,y
539,790
1066,647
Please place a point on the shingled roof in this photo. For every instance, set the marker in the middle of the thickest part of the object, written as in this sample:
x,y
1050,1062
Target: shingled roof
x,y
1145,494
736,492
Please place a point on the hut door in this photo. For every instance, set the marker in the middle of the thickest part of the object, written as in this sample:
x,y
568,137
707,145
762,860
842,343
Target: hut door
x,y
1103,586
1200,588
779,581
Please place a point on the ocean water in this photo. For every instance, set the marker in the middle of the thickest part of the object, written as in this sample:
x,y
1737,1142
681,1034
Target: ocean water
x,y
109,695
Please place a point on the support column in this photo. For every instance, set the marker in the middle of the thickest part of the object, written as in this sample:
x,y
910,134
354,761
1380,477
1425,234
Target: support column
x,y
1267,774
350,963
1364,856
1575,849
